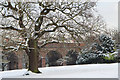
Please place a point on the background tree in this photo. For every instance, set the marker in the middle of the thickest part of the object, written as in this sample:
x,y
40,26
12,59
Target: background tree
x,y
107,44
32,21
115,36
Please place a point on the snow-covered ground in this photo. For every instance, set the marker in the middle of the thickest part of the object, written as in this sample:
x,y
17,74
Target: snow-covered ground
x,y
76,71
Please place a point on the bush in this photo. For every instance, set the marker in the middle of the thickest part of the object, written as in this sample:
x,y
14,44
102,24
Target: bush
x,y
111,57
102,51
89,58
92,58
107,44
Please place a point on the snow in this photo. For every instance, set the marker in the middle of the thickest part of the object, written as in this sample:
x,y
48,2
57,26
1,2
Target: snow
x,y
74,71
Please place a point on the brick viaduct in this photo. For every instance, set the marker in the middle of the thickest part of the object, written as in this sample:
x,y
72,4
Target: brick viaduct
x,y
62,48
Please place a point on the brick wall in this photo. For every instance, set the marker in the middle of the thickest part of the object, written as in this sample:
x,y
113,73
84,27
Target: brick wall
x,y
62,48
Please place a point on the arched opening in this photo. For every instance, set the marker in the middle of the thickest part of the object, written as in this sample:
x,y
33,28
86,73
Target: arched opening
x,y
53,58
13,61
71,57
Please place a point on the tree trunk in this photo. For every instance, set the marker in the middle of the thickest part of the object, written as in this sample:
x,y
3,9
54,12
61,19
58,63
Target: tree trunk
x,y
33,55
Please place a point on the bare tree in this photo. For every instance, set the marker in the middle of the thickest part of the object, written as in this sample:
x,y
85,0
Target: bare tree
x,y
46,22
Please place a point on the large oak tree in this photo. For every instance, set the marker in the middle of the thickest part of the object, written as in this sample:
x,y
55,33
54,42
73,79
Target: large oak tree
x,y
46,22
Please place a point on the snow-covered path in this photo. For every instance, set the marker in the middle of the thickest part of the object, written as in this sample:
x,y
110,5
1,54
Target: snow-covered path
x,y
76,71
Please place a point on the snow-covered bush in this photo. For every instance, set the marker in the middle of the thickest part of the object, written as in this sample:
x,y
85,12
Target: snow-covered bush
x,y
111,57
89,58
92,58
102,51
107,44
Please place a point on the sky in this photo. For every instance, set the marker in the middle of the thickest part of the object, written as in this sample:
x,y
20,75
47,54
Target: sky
x,y
108,9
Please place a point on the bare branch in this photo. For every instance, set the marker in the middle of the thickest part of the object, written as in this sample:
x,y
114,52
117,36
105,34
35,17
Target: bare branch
x,y
46,43
28,15
11,28
44,6
9,6
39,21
21,19
10,16
47,31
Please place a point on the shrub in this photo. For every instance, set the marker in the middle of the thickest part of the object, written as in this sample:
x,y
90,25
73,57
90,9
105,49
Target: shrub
x,y
102,51
89,58
107,44
111,57
92,58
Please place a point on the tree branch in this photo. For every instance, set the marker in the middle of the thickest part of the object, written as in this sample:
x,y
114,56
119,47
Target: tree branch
x,y
53,24
46,43
40,18
10,6
11,28
21,19
47,31
28,15
11,16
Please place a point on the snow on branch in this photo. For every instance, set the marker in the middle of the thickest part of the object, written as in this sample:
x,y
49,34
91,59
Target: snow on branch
x,y
10,15
12,48
57,26
9,6
49,42
10,28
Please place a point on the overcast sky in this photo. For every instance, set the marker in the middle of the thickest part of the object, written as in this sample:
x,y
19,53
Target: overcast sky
x,y
108,9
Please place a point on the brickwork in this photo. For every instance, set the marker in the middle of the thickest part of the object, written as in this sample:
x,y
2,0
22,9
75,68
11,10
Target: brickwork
x,y
62,48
